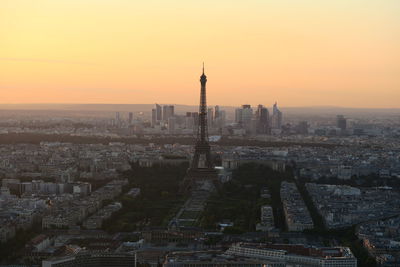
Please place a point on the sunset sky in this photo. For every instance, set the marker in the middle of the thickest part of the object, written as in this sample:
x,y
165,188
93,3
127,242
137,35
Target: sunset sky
x,y
297,52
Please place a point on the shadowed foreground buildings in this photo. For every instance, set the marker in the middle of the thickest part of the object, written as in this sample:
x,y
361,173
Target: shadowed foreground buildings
x,y
93,260
257,255
298,255
237,255
381,239
296,213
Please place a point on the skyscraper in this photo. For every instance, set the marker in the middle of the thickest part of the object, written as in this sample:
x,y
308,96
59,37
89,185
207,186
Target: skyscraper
x,y
130,118
341,122
165,114
171,125
219,118
244,115
158,112
276,117
192,121
262,118
216,112
172,110
238,115
117,119
210,117
247,116
153,117
302,127
168,111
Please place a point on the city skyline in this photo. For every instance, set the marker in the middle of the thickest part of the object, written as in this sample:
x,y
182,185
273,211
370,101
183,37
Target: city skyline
x,y
301,53
269,133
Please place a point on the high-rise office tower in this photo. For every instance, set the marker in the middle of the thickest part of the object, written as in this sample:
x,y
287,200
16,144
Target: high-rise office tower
x,y
158,112
302,127
201,173
244,114
276,117
262,118
171,125
168,111
191,120
222,118
171,110
216,112
153,117
130,118
165,114
117,119
210,117
219,118
247,116
341,122
238,115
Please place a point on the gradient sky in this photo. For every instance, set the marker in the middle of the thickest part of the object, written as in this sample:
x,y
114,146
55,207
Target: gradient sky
x,y
298,52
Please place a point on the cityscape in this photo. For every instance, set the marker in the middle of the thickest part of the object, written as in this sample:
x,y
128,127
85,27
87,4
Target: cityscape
x,y
323,192
199,134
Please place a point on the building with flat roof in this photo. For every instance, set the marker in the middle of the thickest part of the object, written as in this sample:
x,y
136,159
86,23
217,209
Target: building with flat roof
x,y
93,260
214,258
298,255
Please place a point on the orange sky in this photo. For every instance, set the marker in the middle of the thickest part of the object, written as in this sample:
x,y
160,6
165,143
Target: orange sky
x,y
298,52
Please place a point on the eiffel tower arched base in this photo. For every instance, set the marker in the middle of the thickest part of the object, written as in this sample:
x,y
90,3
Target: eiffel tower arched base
x,y
200,179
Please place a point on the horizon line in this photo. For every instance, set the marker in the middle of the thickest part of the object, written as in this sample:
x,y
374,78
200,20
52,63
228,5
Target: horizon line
x,y
195,105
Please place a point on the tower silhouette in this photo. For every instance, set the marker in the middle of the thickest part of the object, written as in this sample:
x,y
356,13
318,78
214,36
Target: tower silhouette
x,y
201,169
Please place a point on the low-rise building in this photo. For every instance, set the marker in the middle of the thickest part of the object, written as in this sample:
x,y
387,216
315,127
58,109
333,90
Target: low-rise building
x,y
296,213
296,255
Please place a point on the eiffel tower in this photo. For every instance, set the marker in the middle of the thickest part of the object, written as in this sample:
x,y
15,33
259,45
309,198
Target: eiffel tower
x,y
201,173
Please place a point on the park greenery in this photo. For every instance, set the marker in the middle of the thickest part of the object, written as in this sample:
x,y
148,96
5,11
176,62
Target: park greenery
x,y
157,203
10,250
239,200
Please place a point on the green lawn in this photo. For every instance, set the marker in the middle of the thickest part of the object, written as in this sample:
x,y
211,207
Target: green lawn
x,y
239,200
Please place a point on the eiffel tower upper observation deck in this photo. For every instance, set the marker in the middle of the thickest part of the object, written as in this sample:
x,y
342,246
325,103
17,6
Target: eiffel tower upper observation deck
x,y
201,173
